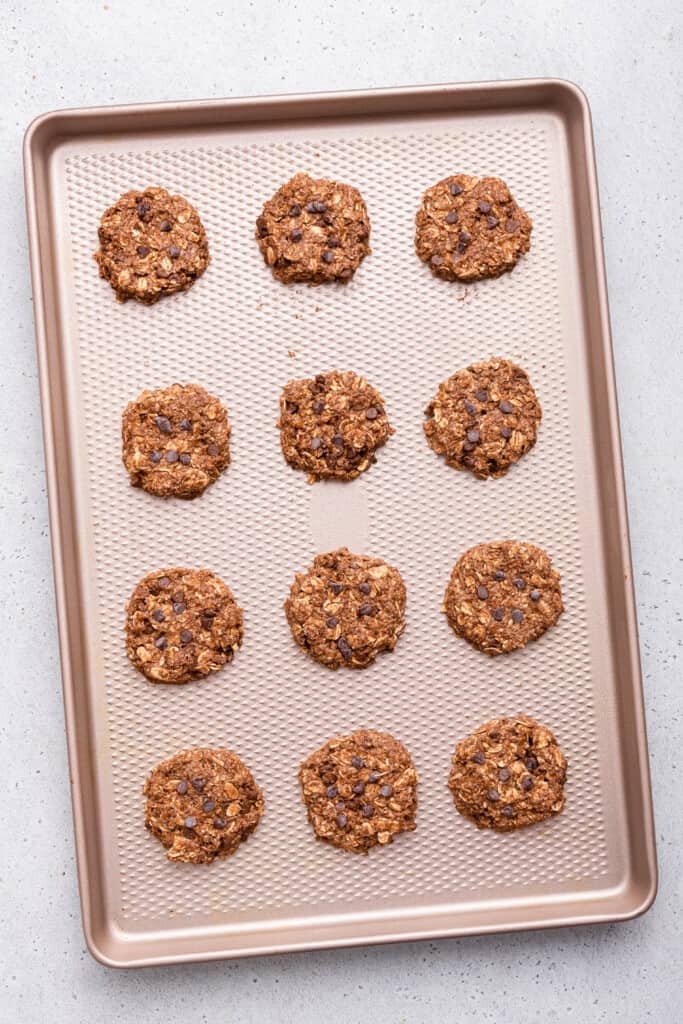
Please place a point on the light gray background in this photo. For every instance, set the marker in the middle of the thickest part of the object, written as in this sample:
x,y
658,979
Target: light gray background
x,y
629,60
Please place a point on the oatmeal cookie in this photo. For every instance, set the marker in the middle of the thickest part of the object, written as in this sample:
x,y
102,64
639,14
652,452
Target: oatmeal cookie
x,y
502,595
470,228
346,609
176,441
314,231
508,774
360,790
201,804
332,425
151,244
484,418
182,624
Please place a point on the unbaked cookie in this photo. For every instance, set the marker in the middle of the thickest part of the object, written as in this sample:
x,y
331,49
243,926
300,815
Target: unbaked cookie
x,y
346,609
484,418
182,624
470,228
332,425
502,595
201,804
151,244
508,774
314,231
360,790
176,441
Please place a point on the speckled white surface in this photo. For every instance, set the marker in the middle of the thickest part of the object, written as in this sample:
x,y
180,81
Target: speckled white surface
x,y
628,60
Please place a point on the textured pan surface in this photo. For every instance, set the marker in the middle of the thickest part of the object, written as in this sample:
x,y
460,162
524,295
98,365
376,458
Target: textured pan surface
x,y
242,335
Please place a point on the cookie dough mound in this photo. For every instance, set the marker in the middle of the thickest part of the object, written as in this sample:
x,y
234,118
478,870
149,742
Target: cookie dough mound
x,y
201,804
314,231
360,790
331,426
151,244
176,441
508,774
470,228
346,609
502,595
484,418
182,624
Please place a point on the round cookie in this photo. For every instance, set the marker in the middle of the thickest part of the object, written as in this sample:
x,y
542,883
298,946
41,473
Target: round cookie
x,y
314,230
470,228
484,418
346,609
332,425
201,804
151,244
360,790
502,595
508,774
181,625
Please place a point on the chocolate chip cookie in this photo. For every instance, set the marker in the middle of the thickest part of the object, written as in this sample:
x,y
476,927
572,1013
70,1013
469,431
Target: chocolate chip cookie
x,y
502,595
346,609
508,774
470,228
182,624
314,230
360,790
176,441
332,425
201,804
484,418
151,244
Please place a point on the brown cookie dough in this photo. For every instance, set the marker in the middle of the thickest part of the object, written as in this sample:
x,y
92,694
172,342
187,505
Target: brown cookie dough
x,y
508,774
360,790
151,244
201,804
181,625
176,441
502,595
332,425
470,228
346,609
314,231
484,418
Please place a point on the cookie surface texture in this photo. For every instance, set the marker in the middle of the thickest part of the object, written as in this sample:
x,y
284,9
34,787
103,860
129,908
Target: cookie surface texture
x,y
346,609
181,625
201,804
331,425
508,774
484,418
314,230
503,595
470,228
152,243
360,790
176,440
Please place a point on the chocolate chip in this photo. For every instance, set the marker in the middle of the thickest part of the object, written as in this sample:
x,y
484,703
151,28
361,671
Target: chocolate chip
x,y
296,235
333,242
461,247
317,408
359,788
478,757
178,596
464,237
498,614
185,425
340,804
158,615
344,649
511,225
517,615
143,208
181,788
219,822
372,413
199,784
332,621
484,207
493,795
163,582
535,595
172,456
499,575
357,761
364,588
367,810
527,783
186,636
327,256
165,225
155,456
452,217
179,608
519,583
473,436
190,821
295,210
386,790
492,221
338,442
503,775
316,443
470,408
185,458
209,805
207,623
164,424
160,642
481,395
335,587
212,449
482,593
341,820
331,792
173,252
367,609
436,260
455,189
142,250
317,206
531,763
468,447
505,432
505,406
507,811
373,776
